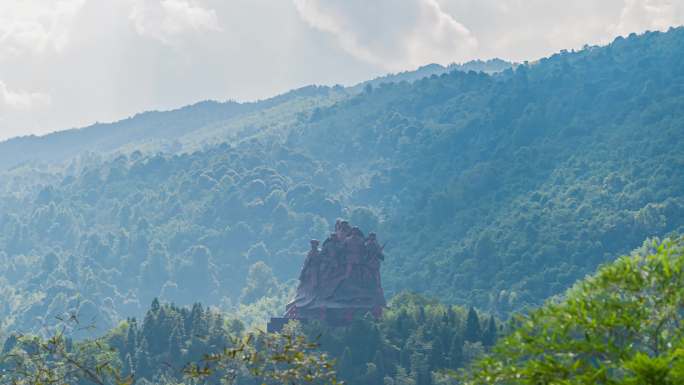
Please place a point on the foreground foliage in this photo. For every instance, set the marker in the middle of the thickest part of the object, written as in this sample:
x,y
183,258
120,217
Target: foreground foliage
x,y
255,358
57,360
620,326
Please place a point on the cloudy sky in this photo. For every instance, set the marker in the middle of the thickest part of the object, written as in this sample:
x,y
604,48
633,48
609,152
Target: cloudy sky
x,y
69,63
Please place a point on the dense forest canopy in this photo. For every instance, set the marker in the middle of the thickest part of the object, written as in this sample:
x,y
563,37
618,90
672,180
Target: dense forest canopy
x,y
492,190
622,325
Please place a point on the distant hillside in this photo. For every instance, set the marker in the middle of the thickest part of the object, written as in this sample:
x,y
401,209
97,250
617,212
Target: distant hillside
x,y
170,131
491,66
493,190
163,130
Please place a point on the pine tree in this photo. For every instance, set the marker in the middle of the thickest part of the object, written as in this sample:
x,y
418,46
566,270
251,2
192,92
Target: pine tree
x,y
436,358
403,323
155,305
456,353
490,334
405,357
420,370
175,346
451,316
143,366
472,329
131,336
128,365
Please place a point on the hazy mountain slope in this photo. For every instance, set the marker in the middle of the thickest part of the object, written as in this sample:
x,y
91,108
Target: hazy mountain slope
x,y
490,190
162,130
494,189
203,122
491,66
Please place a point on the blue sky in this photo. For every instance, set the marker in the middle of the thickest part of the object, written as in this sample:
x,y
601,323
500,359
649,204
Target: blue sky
x,y
69,63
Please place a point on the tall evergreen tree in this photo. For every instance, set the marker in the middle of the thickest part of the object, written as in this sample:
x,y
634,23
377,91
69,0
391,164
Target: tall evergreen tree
x,y
128,365
143,367
456,352
131,336
472,329
490,334
420,369
176,346
436,357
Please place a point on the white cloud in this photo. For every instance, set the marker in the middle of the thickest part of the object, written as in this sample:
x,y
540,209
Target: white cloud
x,y
103,60
642,15
21,100
166,20
530,29
34,26
395,35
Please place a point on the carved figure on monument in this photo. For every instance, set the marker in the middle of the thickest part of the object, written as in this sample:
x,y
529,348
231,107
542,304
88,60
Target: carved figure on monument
x,y
340,279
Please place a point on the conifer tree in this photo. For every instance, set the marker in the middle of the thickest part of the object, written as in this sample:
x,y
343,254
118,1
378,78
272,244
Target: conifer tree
x,y
456,352
472,329
490,333
128,365
131,336
436,358
420,370
143,367
175,346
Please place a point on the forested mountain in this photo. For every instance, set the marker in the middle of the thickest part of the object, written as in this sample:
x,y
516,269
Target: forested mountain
x,y
190,127
491,66
493,190
165,131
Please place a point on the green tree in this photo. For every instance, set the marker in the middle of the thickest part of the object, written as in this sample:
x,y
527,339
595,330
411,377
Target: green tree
x,y
620,326
490,333
283,358
456,352
55,360
472,327
260,282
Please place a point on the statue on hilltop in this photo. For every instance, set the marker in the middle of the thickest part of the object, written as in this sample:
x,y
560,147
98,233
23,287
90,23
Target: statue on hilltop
x,y
341,278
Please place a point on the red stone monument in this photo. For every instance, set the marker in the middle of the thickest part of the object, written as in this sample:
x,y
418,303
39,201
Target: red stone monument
x,y
340,279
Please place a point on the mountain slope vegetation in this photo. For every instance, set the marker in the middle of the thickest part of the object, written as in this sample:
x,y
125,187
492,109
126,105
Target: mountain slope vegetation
x,y
495,188
496,191
621,325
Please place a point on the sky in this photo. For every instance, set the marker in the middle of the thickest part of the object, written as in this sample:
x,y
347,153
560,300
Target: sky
x,y
70,63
